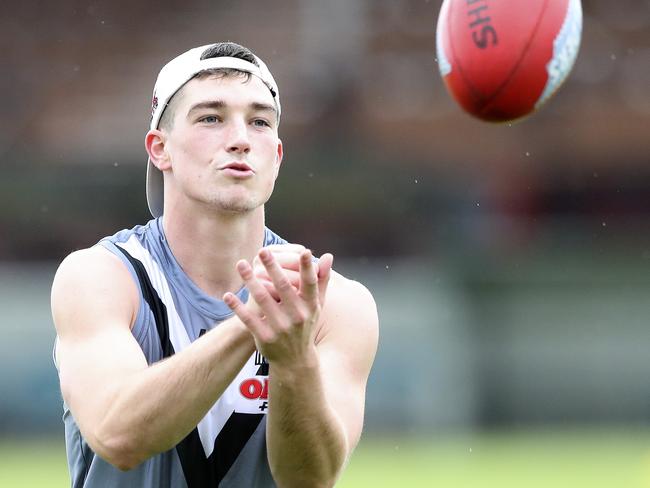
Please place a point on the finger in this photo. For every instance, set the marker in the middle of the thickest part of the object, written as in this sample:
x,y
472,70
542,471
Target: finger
x,y
286,250
252,321
270,287
324,274
308,279
277,275
286,260
257,291
288,294
262,275
294,248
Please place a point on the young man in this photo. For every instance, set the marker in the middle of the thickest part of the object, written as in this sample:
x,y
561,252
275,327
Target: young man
x,y
164,386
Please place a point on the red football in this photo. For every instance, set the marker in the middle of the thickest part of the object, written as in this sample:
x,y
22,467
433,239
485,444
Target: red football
x,y
502,59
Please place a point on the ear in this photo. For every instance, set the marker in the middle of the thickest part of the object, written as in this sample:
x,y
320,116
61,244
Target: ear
x,y
154,143
278,158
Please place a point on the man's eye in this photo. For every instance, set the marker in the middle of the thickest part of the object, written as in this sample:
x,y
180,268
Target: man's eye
x,y
209,119
261,123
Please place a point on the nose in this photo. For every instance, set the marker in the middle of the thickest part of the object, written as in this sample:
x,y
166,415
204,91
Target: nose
x,y
238,138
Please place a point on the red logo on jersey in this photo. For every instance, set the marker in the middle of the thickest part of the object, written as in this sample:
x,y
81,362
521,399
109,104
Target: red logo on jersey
x,y
254,389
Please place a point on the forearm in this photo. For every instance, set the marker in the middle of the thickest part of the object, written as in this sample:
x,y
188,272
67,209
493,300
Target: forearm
x,y
154,409
307,444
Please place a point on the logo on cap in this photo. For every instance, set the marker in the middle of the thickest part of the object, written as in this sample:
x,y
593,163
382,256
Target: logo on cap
x,y
154,104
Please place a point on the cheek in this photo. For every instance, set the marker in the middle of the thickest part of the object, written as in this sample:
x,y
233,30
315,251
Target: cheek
x,y
193,155
270,151
193,145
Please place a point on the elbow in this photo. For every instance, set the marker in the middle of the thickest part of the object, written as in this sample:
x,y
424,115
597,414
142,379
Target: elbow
x,y
323,474
125,463
119,450
120,455
302,482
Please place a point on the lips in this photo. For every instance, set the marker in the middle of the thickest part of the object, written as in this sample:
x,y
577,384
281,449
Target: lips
x,y
237,166
237,169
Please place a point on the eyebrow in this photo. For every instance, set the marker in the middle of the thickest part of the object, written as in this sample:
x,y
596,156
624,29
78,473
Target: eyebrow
x,y
218,104
264,107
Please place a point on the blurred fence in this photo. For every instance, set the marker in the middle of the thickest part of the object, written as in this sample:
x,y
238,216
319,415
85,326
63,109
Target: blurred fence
x,y
553,339
29,396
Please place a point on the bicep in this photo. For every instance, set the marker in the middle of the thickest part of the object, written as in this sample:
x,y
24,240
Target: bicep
x,y
94,302
347,350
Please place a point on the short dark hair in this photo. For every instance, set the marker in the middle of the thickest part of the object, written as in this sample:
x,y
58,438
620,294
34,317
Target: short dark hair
x,y
218,50
231,50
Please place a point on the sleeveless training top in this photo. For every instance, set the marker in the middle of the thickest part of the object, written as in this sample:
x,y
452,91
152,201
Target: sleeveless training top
x,y
228,446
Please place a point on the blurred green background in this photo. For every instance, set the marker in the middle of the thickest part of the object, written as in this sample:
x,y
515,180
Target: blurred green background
x,y
509,262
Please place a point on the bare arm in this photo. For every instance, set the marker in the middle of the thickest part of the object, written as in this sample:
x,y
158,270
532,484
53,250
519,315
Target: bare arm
x,y
316,413
317,384
127,410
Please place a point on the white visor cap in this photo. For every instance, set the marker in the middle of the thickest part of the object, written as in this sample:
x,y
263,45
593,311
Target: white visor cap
x,y
171,78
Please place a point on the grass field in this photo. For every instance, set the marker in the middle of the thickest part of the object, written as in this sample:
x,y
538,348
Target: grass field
x,y
531,459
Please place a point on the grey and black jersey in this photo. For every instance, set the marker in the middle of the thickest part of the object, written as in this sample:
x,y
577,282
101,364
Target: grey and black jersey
x,y
228,446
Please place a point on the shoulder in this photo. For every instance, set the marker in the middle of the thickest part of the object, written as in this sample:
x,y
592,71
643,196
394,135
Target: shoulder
x,y
91,281
89,264
349,294
349,310
98,258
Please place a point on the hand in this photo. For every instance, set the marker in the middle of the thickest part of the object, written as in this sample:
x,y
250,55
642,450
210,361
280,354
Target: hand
x,y
284,332
288,257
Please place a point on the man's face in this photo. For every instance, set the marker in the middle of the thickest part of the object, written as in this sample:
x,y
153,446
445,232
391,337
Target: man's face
x,y
223,145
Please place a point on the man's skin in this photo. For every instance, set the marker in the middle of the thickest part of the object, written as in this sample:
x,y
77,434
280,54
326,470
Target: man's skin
x,y
317,329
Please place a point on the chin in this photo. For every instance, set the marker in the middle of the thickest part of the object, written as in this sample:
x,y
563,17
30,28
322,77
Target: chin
x,y
236,200
234,205
236,209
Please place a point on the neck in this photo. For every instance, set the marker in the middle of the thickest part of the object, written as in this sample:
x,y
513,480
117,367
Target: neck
x,y
207,247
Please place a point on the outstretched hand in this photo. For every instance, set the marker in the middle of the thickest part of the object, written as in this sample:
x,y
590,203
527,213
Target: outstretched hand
x,y
283,318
